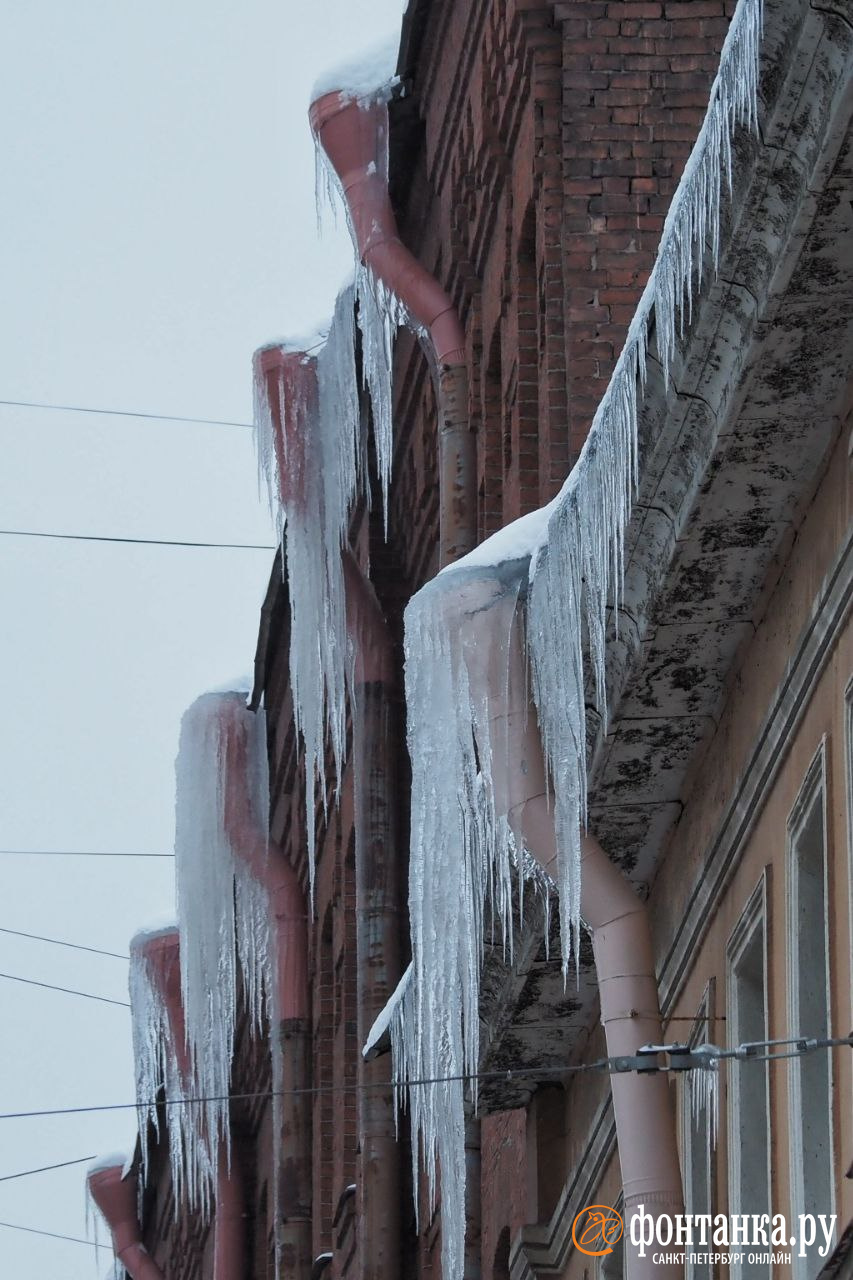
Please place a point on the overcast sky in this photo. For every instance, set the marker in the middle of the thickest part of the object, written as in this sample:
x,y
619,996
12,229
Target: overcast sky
x,y
158,225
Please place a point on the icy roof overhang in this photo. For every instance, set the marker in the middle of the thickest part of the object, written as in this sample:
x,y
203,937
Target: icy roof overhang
x,y
729,455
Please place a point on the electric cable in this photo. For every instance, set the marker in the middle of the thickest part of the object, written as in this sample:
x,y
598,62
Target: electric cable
x,y
57,942
49,986
77,853
45,1168
124,413
54,1235
617,1065
146,542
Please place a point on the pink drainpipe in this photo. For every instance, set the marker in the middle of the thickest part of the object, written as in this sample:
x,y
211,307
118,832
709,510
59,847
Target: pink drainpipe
x,y
116,1197
621,936
354,135
291,381
377,904
229,1229
291,1021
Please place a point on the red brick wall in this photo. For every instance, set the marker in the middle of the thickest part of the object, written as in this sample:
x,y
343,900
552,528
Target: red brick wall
x,y
554,135
505,1175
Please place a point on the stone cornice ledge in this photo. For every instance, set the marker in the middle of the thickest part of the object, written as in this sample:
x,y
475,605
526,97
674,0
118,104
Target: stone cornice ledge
x,y
791,71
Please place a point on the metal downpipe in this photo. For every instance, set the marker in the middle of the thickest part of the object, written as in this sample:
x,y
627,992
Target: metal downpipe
x,y
378,920
291,1023
354,135
621,936
117,1197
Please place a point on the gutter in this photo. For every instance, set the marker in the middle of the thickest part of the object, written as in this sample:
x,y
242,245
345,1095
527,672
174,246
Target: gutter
x,y
353,133
622,947
377,899
290,1016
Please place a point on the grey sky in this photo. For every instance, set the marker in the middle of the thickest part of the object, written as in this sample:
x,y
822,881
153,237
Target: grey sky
x,y
158,225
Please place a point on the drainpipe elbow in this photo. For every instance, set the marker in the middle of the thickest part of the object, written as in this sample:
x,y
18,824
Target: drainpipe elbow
x,y
116,1197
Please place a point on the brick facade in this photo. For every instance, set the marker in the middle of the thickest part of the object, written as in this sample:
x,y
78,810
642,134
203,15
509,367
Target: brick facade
x,y
533,162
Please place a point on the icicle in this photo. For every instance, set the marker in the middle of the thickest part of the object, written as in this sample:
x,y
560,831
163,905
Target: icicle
x,y
222,907
705,1090
380,314
157,1056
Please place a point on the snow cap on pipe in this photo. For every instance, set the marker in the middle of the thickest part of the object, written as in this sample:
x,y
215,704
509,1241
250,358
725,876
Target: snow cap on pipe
x,y
371,73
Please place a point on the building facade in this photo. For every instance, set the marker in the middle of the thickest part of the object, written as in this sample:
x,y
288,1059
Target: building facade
x,y
533,160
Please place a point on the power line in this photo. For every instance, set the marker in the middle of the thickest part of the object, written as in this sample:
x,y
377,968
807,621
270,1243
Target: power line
x,y
74,946
45,1168
687,1059
77,853
87,995
147,542
125,413
34,1231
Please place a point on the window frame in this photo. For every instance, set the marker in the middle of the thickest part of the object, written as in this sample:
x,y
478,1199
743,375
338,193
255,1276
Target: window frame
x,y
754,917
813,790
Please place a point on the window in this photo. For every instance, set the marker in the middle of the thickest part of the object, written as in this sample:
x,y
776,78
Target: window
x,y
810,1077
699,1133
748,1080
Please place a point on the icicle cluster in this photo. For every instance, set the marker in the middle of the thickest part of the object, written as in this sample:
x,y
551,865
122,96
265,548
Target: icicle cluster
x,y
575,572
705,1090
463,855
223,909
578,571
157,1057
321,422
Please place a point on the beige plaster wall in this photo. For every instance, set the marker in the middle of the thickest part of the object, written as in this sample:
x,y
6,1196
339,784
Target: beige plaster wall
x,y
800,570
